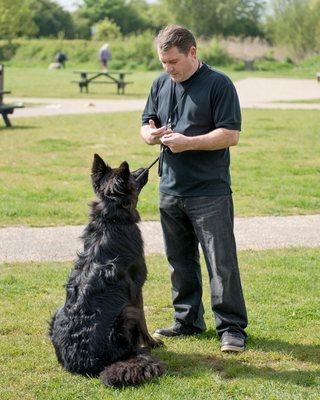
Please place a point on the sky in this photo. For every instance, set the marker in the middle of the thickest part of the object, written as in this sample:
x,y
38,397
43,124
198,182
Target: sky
x,y
69,5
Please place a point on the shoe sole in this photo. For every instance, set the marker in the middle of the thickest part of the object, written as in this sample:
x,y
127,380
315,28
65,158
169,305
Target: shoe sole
x,y
159,336
232,349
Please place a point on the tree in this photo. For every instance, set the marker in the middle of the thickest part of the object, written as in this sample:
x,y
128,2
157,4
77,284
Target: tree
x,y
51,19
106,30
15,20
295,24
82,24
129,15
211,17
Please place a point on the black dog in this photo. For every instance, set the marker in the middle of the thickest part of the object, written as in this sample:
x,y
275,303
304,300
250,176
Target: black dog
x,y
101,328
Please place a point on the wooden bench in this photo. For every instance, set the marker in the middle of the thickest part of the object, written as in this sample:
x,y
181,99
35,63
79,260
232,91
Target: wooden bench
x,y
6,109
115,77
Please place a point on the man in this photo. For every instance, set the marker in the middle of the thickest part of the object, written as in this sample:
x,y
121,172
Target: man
x,y
193,113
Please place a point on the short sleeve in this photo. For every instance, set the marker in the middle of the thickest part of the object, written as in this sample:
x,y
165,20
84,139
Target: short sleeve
x,y
226,108
150,110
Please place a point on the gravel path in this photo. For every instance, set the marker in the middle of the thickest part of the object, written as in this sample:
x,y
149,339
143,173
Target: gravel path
x,y
253,93
61,243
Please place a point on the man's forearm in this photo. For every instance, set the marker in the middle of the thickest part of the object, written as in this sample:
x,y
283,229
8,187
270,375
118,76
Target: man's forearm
x,y
220,138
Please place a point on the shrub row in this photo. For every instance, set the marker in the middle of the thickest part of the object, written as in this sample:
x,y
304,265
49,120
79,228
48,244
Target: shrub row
x,y
135,52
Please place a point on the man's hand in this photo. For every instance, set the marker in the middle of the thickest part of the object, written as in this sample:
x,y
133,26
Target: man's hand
x,y
176,142
152,134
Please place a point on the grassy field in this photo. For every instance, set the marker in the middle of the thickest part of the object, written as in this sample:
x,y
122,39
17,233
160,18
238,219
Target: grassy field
x,y
311,101
45,165
281,362
59,83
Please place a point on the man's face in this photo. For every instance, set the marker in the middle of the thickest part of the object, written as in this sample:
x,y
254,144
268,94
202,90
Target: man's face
x,y
178,65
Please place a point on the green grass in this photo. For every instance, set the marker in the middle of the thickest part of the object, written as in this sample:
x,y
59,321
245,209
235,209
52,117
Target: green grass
x,y
281,362
58,83
45,165
309,101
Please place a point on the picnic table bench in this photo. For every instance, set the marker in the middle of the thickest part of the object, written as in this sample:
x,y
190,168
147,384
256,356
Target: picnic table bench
x,y
113,77
8,108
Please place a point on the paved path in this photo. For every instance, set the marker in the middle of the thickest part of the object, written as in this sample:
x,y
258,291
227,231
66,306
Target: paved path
x,y
253,93
61,243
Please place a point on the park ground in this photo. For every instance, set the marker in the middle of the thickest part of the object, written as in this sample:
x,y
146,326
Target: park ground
x,y
45,165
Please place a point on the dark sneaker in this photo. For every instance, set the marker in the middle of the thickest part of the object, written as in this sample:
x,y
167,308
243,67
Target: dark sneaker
x,y
232,342
176,330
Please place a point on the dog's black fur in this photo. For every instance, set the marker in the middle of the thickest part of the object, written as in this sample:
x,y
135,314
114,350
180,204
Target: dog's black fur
x,y
101,328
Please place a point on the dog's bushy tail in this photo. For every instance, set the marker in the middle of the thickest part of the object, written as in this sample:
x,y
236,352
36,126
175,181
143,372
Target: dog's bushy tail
x,y
137,369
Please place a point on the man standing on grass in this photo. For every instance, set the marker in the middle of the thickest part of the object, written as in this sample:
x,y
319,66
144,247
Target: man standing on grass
x,y
193,113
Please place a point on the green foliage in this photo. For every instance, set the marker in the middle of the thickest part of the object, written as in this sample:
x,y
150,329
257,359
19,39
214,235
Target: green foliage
x,y
8,51
134,52
295,23
81,24
129,15
42,51
50,18
159,16
213,54
15,20
106,30
212,17
269,63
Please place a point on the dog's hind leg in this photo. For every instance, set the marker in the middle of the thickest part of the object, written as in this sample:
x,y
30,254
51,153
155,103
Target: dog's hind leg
x,y
145,338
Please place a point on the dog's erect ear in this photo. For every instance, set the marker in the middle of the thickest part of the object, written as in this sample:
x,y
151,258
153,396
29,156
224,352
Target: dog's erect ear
x,y
124,171
99,167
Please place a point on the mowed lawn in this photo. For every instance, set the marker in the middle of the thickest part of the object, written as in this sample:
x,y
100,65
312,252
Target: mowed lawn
x,y
39,82
283,352
45,165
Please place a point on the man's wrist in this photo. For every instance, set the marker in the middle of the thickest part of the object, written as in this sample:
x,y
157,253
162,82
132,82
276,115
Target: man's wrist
x,y
191,142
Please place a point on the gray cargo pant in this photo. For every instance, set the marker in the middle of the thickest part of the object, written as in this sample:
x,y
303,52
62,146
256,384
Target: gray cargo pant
x,y
186,221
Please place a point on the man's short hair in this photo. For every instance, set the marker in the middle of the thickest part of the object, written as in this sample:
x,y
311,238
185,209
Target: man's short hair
x,y
175,36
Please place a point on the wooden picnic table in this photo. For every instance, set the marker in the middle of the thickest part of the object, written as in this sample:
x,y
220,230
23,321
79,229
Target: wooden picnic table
x,y
112,76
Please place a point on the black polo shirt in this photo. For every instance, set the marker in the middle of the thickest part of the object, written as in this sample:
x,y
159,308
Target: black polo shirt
x,y
206,101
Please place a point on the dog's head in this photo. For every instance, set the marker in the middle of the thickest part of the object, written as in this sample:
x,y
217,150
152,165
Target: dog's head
x,y
118,182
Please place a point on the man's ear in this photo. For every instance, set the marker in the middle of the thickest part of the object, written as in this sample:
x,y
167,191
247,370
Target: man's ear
x,y
124,171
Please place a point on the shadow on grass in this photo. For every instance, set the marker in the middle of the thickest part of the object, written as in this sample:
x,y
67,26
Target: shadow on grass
x,y
228,367
301,352
233,366
17,127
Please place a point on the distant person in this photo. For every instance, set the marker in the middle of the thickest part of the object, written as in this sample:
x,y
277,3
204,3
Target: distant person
x,y
105,56
61,59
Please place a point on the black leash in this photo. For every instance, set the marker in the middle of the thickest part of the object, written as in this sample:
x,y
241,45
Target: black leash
x,y
145,170
168,125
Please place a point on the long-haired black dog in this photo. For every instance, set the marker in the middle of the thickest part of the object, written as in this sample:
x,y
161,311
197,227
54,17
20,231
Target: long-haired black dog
x,y
101,328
